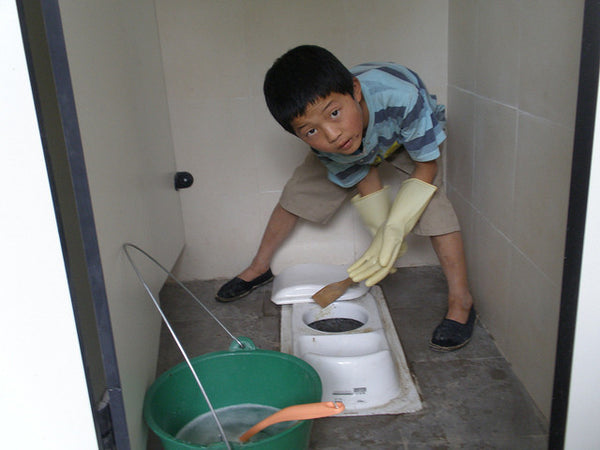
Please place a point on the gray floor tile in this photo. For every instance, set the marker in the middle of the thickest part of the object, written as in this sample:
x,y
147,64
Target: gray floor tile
x,y
472,400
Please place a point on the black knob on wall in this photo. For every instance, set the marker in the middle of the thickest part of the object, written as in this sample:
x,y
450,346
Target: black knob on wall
x,y
183,180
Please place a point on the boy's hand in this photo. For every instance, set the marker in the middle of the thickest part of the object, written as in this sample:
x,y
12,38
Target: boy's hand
x,y
369,266
388,244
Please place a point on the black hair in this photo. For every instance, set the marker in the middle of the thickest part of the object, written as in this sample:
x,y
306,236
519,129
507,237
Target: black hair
x,y
300,77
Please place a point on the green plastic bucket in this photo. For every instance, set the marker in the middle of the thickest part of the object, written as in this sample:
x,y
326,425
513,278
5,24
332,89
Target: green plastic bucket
x,y
233,377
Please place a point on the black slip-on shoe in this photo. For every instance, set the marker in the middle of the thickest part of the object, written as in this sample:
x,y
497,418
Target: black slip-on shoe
x,y
451,335
238,288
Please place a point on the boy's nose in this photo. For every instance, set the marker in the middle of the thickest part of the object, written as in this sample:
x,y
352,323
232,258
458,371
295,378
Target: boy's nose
x,y
332,133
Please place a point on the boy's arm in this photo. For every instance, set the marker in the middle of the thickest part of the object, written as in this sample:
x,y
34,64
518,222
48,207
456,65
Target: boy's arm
x,y
425,171
369,184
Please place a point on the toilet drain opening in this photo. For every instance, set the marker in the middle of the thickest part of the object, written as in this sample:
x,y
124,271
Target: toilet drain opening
x,y
336,324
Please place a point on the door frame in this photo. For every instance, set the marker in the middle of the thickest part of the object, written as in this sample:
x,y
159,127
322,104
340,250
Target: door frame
x,y
49,73
576,244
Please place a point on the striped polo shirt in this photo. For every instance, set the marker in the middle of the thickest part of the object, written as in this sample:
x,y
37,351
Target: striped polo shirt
x,y
401,113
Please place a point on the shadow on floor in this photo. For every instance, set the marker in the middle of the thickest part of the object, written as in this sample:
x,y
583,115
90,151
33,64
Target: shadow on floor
x,y
471,398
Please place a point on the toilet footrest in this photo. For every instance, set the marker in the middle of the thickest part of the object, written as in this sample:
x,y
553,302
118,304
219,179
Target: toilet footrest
x,y
363,381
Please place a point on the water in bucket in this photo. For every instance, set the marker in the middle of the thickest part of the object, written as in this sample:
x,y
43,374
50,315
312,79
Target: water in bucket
x,y
235,420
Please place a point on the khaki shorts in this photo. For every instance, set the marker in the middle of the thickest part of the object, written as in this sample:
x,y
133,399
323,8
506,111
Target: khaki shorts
x,y
310,195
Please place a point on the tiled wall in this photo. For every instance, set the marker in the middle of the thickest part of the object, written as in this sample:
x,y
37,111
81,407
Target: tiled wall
x,y
507,71
215,55
512,88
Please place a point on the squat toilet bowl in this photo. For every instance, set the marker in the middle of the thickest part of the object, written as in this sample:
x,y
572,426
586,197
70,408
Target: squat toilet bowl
x,y
352,343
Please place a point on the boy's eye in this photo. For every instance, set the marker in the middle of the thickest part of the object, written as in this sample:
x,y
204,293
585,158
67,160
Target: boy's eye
x,y
311,132
335,113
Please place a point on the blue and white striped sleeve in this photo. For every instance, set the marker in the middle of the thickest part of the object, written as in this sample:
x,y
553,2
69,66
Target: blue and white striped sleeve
x,y
422,128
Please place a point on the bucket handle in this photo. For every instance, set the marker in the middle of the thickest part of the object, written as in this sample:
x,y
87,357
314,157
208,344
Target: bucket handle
x,y
237,342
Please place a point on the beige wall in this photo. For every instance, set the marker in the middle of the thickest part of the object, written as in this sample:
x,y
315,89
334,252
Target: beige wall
x,y
512,74
215,56
116,70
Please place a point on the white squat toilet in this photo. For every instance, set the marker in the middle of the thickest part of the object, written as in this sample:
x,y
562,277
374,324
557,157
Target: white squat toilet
x,y
352,343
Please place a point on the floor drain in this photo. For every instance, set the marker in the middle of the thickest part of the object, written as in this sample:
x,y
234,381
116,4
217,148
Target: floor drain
x,y
336,325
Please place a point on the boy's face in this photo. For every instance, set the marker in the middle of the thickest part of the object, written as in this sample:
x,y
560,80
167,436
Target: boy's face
x,y
334,124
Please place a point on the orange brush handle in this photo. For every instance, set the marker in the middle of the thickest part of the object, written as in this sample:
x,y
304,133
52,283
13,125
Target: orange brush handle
x,y
296,412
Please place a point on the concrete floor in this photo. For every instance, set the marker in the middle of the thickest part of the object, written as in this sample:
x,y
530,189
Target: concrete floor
x,y
471,398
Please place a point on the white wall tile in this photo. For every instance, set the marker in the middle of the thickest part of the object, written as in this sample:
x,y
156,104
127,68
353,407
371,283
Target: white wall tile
x,y
494,162
542,192
222,236
408,32
497,65
550,45
278,153
530,342
203,49
491,278
460,144
462,44
205,146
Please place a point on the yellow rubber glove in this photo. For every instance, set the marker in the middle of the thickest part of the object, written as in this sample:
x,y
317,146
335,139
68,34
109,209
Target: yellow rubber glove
x,y
377,262
373,208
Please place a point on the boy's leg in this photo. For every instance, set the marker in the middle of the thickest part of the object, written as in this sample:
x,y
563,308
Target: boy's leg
x,y
280,225
308,195
456,329
439,221
450,251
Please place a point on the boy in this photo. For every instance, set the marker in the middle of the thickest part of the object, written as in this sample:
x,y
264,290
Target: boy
x,y
353,121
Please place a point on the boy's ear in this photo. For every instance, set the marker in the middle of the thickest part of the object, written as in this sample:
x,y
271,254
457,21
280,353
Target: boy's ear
x,y
357,89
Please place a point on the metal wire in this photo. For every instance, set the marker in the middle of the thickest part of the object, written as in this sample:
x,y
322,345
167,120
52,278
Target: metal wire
x,y
164,318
